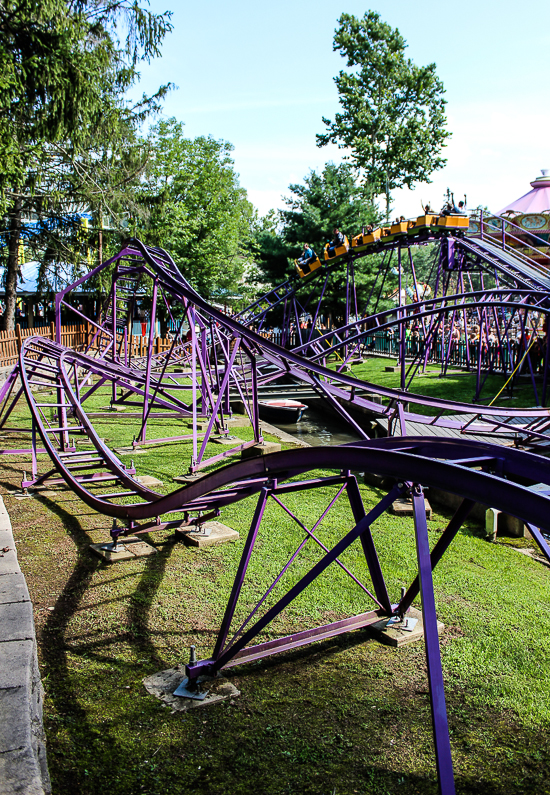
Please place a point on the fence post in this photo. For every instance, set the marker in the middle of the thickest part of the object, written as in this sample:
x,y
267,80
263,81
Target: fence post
x,y
18,336
52,330
158,344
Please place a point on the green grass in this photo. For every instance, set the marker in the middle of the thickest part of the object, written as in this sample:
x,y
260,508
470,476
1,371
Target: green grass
x,y
345,716
456,386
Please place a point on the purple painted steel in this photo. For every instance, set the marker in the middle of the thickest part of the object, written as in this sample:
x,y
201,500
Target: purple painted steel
x,y
433,657
241,574
306,637
540,539
369,550
222,656
311,534
439,550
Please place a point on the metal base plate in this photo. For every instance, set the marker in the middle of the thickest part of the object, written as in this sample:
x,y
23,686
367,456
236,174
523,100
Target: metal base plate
x,y
163,684
184,692
395,634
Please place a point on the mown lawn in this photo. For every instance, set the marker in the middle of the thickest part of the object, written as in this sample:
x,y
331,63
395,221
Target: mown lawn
x,y
346,716
457,385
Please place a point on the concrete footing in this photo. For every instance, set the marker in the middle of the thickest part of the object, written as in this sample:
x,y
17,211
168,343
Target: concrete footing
x,y
264,448
127,549
404,507
149,480
396,635
211,534
238,422
228,441
130,450
162,686
192,477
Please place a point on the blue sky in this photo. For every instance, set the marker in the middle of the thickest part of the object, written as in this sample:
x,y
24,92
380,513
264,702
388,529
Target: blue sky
x,y
261,76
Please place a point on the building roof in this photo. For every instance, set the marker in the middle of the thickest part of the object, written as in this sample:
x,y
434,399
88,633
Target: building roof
x,y
536,201
27,281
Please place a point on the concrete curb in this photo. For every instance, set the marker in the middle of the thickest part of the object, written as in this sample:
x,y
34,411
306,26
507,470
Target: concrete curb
x,y
23,766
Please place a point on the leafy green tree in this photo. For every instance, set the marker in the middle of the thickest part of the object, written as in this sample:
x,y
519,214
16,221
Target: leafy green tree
x,y
324,201
393,112
197,209
64,70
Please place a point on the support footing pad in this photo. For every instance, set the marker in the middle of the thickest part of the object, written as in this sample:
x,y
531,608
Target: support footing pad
x,y
394,635
216,533
404,507
263,448
162,686
132,547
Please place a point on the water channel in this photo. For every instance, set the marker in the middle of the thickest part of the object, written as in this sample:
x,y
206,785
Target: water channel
x,y
317,428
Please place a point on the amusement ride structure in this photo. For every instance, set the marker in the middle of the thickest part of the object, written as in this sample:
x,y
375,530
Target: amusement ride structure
x,y
480,277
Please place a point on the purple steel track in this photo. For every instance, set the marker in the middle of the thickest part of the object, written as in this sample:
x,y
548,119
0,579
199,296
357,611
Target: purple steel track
x,y
223,360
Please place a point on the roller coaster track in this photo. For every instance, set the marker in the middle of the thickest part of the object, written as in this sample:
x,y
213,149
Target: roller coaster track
x,y
498,259
49,364
508,262
475,471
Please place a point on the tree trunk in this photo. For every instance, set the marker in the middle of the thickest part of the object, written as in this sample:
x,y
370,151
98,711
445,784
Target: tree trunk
x,y
12,271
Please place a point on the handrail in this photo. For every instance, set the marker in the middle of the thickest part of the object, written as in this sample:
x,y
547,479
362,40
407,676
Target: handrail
x,y
504,234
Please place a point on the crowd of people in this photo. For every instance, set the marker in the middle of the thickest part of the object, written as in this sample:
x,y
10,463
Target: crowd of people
x,y
497,343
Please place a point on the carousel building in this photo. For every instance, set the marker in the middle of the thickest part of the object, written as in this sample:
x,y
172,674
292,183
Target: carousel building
x,y
531,212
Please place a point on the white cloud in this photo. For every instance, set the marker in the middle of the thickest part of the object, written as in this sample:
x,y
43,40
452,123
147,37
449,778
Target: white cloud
x,y
494,154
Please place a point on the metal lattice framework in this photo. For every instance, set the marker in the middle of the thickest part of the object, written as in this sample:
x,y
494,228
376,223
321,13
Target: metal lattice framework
x,y
484,265
222,358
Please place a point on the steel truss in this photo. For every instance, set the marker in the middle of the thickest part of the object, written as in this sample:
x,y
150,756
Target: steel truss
x,y
452,466
223,360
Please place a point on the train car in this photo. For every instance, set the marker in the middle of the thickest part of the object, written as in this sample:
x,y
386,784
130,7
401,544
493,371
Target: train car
x,y
338,252
453,222
304,269
395,231
399,229
387,235
424,223
365,239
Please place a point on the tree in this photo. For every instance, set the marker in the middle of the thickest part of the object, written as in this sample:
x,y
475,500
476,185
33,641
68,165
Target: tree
x,y
393,112
272,252
196,208
324,201
64,69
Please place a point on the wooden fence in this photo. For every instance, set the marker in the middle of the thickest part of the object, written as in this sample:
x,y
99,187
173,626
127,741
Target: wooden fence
x,y
72,337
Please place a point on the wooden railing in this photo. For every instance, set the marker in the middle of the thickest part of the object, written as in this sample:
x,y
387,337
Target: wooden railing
x,y
78,336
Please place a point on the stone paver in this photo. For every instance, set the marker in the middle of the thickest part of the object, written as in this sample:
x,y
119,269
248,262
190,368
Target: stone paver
x,y
23,766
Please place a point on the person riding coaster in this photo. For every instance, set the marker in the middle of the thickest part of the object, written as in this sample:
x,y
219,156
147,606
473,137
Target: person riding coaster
x,y
308,262
339,245
307,255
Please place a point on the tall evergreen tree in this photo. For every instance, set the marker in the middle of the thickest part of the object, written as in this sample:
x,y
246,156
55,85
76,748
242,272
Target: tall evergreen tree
x,y
64,69
323,201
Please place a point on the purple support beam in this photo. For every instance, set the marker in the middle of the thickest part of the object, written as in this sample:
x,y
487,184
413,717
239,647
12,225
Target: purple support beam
x,y
433,658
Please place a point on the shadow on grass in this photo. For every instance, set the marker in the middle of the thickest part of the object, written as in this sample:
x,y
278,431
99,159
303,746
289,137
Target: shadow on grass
x,y
69,770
